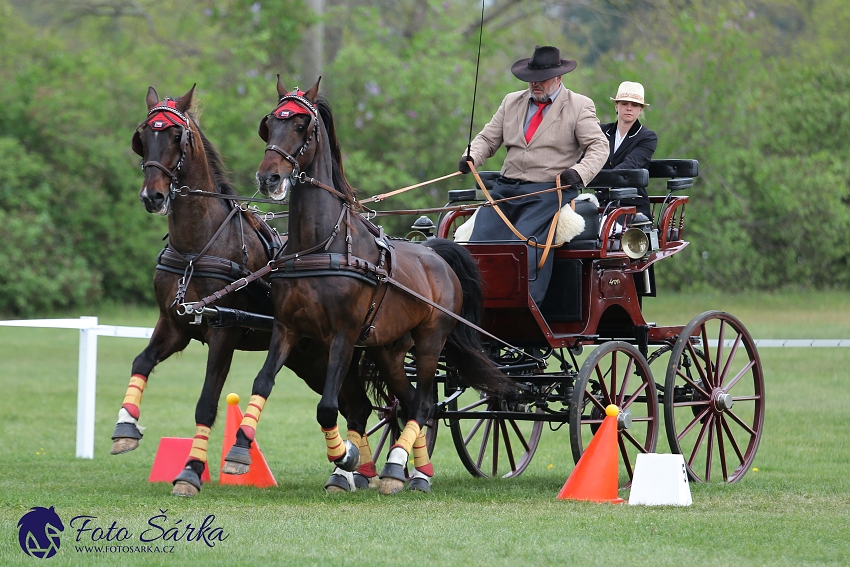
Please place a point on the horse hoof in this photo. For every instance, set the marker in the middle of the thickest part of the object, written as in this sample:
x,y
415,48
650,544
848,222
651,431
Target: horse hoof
x,y
231,467
123,445
363,482
419,484
340,481
391,485
184,489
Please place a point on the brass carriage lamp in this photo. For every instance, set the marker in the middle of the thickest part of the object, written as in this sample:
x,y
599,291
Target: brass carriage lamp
x,y
640,239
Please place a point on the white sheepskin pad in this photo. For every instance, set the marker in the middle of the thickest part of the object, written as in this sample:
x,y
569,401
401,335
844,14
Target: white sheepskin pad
x,y
570,223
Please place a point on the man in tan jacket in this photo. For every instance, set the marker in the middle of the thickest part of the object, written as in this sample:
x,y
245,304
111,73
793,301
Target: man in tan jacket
x,y
546,129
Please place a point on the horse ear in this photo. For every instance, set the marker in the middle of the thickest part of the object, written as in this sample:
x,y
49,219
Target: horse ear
x,y
313,92
184,103
281,88
152,98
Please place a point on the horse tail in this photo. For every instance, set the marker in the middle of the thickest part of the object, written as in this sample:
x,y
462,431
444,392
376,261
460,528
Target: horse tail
x,y
463,349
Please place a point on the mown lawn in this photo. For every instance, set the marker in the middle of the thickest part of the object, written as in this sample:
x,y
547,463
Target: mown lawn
x,y
791,511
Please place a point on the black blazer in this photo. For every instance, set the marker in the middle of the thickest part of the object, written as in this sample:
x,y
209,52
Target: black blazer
x,y
634,153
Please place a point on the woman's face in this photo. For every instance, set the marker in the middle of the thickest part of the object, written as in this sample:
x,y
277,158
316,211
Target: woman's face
x,y
627,111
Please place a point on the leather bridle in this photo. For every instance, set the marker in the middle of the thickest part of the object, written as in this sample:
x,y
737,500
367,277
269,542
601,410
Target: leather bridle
x,y
296,175
187,139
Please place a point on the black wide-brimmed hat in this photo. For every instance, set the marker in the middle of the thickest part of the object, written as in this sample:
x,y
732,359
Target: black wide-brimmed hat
x,y
543,65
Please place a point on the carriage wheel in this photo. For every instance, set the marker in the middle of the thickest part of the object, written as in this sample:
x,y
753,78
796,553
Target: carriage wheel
x,y
616,373
389,427
489,446
714,397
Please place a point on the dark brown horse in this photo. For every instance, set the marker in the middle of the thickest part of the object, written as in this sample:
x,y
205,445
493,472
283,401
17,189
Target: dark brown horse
x,y
211,242
341,285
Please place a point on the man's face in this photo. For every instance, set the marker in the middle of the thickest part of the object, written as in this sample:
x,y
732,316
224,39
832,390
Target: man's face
x,y
542,90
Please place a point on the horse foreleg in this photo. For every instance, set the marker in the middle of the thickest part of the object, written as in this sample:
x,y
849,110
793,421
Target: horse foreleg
x,y
165,341
343,453
356,407
221,347
238,458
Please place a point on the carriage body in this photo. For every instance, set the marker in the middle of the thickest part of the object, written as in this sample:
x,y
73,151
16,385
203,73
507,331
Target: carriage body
x,y
594,303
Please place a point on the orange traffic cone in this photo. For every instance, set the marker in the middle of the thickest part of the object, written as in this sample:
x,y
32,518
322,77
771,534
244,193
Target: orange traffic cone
x,y
170,459
260,474
595,475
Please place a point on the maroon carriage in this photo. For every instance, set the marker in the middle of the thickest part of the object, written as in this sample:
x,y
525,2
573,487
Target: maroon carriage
x,y
588,345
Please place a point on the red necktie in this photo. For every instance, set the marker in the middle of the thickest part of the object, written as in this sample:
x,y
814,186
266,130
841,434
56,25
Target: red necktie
x,y
536,119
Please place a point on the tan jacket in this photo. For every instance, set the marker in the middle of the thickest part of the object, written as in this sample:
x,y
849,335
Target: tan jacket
x,y
569,128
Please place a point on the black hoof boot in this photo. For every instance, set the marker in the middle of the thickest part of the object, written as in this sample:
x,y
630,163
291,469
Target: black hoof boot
x,y
187,483
237,461
339,482
350,461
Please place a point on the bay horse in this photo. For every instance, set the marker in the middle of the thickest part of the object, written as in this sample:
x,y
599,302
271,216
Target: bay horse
x,y
333,287
211,241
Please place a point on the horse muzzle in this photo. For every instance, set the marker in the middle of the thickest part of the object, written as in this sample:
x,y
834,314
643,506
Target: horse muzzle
x,y
155,202
274,186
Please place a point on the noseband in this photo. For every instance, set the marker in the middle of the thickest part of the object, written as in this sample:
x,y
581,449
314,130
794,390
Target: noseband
x,y
287,107
160,117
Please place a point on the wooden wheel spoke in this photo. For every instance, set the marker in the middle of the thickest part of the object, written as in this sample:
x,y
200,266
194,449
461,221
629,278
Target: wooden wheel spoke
x,y
625,454
643,386
721,449
740,422
738,376
732,440
472,432
484,441
601,379
596,402
508,449
720,345
613,371
519,435
700,437
625,433
496,448
645,418
693,422
472,406
728,366
709,454
709,375
629,367
692,351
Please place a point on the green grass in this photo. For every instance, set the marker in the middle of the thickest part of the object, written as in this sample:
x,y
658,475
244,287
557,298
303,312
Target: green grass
x,y
792,511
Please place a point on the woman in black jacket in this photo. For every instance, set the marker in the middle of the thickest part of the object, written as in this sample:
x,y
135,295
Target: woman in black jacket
x,y
630,144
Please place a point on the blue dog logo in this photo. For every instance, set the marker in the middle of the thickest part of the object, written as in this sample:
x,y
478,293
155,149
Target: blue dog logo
x,y
38,532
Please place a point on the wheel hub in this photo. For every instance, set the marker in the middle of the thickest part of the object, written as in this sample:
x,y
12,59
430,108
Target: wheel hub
x,y
624,420
722,400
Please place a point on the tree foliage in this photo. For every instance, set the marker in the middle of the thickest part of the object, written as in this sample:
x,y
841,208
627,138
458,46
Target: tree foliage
x,y
753,89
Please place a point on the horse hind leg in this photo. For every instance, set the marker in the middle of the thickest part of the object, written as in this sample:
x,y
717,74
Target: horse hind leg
x,y
164,342
355,405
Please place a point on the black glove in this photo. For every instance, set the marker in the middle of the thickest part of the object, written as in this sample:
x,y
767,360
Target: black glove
x,y
570,177
463,165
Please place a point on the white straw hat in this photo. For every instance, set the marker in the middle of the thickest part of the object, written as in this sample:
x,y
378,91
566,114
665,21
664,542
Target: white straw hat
x,y
630,91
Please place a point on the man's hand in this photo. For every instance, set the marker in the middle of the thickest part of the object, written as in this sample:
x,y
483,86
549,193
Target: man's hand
x,y
463,165
570,177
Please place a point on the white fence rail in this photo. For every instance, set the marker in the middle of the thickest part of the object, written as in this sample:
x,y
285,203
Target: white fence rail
x,y
87,373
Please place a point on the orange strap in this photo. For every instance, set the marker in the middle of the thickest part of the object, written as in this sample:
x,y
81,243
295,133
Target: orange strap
x,y
549,237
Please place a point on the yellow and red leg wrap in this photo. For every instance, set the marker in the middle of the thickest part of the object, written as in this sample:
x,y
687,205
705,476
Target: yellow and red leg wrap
x,y
421,460
133,397
199,444
367,466
408,436
252,416
336,448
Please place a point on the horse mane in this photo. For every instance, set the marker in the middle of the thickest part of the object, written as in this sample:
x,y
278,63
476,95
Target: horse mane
x,y
339,180
218,171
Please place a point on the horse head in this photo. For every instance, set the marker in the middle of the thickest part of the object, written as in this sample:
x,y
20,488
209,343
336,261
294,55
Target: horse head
x,y
291,133
164,140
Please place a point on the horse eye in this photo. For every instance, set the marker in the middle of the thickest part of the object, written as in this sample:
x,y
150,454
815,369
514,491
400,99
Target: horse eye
x,y
300,128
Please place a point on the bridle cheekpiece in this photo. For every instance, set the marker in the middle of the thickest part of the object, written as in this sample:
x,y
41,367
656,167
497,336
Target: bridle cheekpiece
x,y
165,115
288,106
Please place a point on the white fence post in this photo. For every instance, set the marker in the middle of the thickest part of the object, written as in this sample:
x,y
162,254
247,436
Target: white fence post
x,y
86,388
